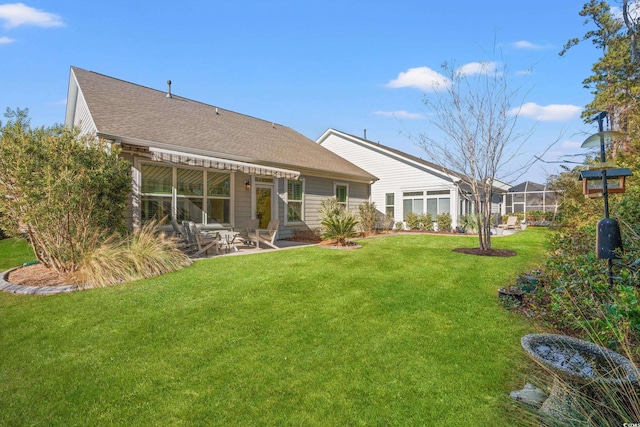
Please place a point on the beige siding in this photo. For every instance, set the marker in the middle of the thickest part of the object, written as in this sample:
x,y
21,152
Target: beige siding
x,y
241,199
315,191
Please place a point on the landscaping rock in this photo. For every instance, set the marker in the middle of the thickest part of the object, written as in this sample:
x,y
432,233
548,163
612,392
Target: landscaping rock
x,y
530,395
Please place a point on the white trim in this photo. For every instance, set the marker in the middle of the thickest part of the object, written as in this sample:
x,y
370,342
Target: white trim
x,y
286,200
335,194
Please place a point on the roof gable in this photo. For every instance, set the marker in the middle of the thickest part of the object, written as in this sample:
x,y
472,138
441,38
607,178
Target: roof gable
x,y
406,158
395,154
134,113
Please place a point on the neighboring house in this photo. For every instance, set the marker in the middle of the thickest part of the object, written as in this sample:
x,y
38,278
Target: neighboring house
x,y
406,183
530,196
193,161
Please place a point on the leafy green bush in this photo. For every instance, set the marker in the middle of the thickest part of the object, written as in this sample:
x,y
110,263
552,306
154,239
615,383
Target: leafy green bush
x,y
444,222
338,224
59,189
574,293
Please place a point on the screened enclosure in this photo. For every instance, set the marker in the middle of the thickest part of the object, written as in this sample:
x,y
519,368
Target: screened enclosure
x,y
530,196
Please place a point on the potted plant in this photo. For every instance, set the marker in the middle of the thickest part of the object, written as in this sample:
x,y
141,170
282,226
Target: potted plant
x,y
511,295
525,284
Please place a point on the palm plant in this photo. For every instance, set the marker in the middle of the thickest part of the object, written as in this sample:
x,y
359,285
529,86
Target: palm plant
x,y
338,224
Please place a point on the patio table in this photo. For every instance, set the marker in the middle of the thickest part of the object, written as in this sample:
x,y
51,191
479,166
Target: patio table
x,y
229,237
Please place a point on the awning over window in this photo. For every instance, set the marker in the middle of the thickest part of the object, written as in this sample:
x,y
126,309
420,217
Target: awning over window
x,y
162,155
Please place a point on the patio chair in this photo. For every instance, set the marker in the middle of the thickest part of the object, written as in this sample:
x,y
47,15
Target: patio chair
x,y
511,223
176,229
248,229
266,235
202,241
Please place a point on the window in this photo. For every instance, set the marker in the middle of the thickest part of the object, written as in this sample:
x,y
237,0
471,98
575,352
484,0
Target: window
x,y
157,189
412,201
199,194
294,201
218,198
190,195
342,194
389,210
438,204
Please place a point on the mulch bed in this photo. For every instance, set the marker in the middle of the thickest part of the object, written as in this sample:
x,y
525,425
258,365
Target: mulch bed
x,y
36,275
491,252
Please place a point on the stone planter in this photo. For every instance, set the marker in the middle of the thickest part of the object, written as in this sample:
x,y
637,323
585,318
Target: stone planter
x,y
576,365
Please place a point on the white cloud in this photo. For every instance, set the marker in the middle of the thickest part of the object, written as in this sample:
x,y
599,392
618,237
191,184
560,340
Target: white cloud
x,y
16,14
472,68
523,44
548,113
402,114
423,78
6,40
525,72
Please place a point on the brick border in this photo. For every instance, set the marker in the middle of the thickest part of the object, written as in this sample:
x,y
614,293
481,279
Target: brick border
x,y
12,288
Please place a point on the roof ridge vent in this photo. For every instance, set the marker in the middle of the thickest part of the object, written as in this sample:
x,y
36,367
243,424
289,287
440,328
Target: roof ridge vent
x,y
169,90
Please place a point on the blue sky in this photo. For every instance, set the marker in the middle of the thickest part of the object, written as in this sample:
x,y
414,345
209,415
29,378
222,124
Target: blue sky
x,y
310,65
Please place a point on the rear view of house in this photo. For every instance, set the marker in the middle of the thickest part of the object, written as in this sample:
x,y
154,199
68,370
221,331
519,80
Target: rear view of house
x,y
197,162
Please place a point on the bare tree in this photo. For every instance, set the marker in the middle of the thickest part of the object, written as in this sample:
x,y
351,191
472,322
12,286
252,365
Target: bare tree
x,y
475,115
630,15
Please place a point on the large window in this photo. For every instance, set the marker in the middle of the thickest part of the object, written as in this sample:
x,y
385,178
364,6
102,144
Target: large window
x,y
157,192
294,201
218,198
412,201
438,202
433,202
342,194
188,194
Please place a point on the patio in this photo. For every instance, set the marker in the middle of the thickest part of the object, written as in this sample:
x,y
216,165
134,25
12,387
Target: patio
x,y
205,242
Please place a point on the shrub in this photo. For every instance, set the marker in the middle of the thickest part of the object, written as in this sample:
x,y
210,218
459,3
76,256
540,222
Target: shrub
x,y
60,189
337,223
419,222
368,217
444,222
412,221
468,223
145,253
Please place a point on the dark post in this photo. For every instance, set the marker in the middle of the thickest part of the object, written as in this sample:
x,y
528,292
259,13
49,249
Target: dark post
x,y
608,238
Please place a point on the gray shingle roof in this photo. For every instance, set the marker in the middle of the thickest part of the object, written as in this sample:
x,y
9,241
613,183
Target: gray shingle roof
x,y
133,112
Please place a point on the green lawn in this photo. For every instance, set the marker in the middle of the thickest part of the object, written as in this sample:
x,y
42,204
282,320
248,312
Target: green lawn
x,y
14,252
401,332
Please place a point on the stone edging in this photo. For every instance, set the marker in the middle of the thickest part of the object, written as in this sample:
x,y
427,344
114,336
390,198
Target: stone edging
x,y
12,288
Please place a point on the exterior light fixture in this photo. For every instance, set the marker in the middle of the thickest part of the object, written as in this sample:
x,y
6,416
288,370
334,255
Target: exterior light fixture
x,y
247,185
